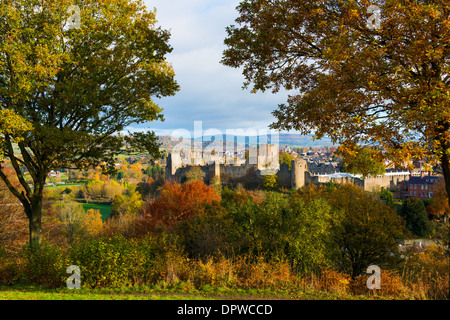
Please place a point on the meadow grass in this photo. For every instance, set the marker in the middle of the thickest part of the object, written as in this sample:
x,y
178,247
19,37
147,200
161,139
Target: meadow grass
x,y
32,293
105,210
175,293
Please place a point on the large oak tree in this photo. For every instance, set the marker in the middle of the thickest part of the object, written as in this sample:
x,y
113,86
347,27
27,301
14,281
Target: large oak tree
x,y
67,90
355,80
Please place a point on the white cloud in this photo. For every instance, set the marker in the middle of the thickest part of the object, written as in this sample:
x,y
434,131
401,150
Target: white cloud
x,y
210,91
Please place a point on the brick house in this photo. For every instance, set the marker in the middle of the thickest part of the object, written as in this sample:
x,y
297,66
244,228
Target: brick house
x,y
422,187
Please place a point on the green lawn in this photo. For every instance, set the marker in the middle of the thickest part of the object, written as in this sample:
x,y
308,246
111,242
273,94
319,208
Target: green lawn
x,y
153,293
64,185
105,209
66,294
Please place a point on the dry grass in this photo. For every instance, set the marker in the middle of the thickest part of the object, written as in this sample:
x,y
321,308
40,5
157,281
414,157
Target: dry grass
x,y
391,285
426,275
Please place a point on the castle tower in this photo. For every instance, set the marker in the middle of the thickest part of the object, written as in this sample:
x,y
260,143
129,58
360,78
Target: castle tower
x,y
173,162
298,173
267,157
168,170
214,172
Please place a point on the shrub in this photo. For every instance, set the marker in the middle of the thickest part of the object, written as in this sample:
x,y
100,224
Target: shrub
x,y
262,273
171,265
367,232
177,203
206,234
218,272
388,197
280,228
391,285
122,224
426,275
47,268
415,214
110,189
7,268
270,182
92,222
113,262
331,280
194,174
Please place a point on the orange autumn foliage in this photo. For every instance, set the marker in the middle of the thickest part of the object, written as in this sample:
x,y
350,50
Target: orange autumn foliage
x,y
439,206
13,223
92,222
177,203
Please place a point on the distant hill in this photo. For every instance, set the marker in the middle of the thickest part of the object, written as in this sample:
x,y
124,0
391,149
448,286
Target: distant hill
x,y
289,139
303,141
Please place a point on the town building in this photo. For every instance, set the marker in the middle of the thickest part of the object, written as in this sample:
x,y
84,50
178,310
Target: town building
x,y
420,187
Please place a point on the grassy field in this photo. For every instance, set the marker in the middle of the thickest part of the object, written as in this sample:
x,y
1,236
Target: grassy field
x,y
105,210
66,294
155,293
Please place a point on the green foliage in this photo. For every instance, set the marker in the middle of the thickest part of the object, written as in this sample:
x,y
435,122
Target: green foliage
x,y
71,215
277,228
77,89
367,232
249,239
270,182
309,240
387,196
194,174
120,175
362,161
105,209
114,262
154,171
207,234
47,268
286,158
351,82
129,204
414,212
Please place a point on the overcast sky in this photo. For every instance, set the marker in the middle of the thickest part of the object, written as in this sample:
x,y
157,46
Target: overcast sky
x,y
210,92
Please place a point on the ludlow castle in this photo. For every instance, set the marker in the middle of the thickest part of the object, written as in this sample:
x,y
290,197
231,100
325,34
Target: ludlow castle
x,y
263,160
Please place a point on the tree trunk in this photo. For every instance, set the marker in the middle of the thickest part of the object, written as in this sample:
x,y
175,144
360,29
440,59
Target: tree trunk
x,y
35,227
445,163
34,214
443,139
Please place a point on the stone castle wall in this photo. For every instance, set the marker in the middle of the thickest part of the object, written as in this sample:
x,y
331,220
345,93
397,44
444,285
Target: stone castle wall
x,y
284,175
296,177
230,174
390,182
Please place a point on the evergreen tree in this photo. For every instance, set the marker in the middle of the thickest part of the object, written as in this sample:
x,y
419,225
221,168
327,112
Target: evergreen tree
x,y
414,212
